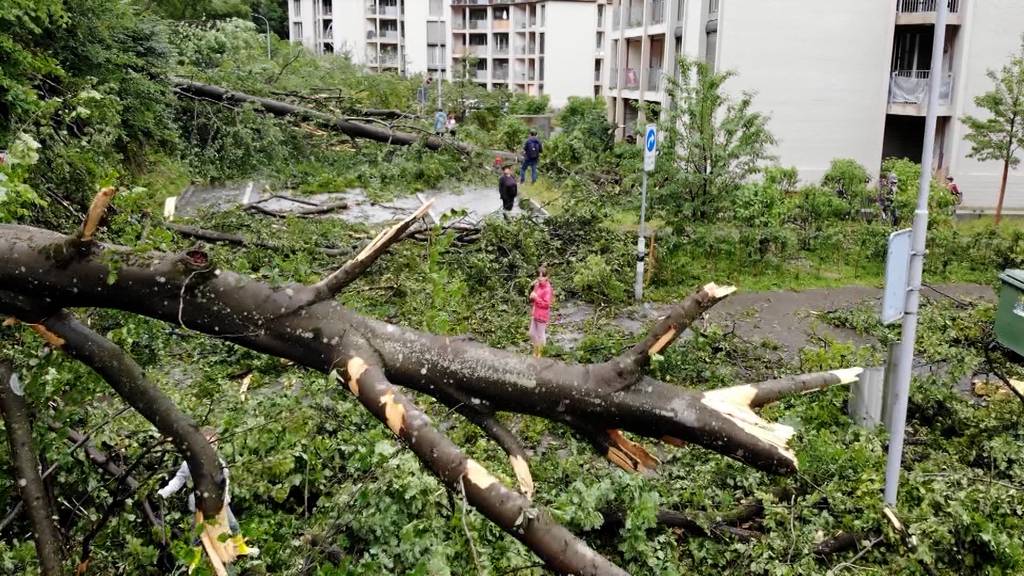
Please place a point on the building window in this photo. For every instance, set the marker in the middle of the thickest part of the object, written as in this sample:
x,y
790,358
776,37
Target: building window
x,y
436,8
296,8
296,30
679,9
600,15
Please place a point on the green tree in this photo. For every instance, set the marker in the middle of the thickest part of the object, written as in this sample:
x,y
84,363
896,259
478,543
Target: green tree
x,y
999,137
720,141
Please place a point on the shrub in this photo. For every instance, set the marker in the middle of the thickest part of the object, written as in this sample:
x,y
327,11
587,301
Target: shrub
x,y
595,281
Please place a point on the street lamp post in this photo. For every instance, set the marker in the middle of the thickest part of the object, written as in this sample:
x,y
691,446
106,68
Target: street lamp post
x,y
260,16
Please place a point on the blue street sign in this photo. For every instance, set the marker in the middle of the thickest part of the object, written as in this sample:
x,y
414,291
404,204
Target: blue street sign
x,y
650,147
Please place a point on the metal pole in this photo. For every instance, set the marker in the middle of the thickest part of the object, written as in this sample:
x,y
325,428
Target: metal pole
x,y
901,383
638,286
268,32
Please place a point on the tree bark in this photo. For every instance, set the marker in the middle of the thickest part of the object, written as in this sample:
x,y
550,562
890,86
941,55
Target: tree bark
x,y
27,475
278,108
1002,191
307,325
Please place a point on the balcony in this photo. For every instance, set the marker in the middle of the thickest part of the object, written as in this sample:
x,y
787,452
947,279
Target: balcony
x,y
636,15
910,12
478,24
657,11
388,59
908,93
654,79
501,25
480,75
388,11
501,50
501,74
613,78
475,50
458,24
632,79
388,36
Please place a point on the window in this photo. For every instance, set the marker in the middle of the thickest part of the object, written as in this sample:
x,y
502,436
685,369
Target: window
x,y
435,33
679,9
296,30
436,8
600,41
296,8
600,15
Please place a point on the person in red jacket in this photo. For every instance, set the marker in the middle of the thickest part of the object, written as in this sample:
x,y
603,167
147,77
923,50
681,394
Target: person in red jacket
x,y
541,295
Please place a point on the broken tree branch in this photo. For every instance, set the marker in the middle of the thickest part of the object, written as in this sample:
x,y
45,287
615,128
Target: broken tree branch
x,y
125,376
514,513
303,213
239,240
278,108
26,472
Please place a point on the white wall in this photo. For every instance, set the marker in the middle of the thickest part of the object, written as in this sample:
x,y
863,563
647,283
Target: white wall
x,y
819,69
992,30
415,36
350,29
569,50
306,17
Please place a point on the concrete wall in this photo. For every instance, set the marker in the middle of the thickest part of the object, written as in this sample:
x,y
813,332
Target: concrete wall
x,y
305,16
569,50
415,36
820,70
992,33
350,28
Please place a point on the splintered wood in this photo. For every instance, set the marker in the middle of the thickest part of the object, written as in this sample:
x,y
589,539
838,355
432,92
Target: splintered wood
x,y
734,404
96,211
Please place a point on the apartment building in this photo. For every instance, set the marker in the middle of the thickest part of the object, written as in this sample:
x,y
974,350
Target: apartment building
x,y
839,79
498,43
404,36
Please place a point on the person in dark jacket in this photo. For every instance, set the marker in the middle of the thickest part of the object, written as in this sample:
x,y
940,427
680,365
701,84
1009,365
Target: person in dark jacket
x,y
507,188
531,156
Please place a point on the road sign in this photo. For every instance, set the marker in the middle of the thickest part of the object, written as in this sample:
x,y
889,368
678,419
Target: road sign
x,y
897,269
650,147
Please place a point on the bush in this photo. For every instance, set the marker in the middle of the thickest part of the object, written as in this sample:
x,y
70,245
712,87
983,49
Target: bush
x,y
849,180
594,280
511,133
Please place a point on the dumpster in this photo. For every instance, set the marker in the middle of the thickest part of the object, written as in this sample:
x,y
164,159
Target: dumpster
x,y
1010,315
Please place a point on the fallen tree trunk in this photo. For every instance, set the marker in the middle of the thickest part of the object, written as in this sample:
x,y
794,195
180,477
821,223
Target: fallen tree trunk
x,y
278,108
305,324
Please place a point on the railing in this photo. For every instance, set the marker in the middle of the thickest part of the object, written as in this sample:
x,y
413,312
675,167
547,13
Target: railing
x,y
500,74
636,14
478,24
391,35
480,75
632,79
654,79
501,25
387,10
911,87
657,11
914,6
501,50
477,49
389,59
613,78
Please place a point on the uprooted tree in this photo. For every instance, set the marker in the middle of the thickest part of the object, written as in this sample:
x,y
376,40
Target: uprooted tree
x,y
43,273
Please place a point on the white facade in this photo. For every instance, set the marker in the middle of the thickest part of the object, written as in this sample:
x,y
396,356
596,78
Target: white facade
x,y
838,78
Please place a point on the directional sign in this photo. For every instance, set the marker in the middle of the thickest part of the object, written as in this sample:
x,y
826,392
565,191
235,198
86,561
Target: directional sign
x,y
897,271
650,147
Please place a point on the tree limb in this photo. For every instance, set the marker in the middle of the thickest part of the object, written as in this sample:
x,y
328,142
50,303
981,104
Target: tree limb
x,y
26,471
238,239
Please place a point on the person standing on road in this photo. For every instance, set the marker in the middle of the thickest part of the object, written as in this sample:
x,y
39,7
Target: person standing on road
x,y
440,122
507,189
532,149
541,295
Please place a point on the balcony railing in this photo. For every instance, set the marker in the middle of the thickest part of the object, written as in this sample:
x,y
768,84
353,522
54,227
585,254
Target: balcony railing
x,y
657,11
480,75
389,59
478,24
914,6
613,78
387,10
388,35
458,24
636,15
632,79
501,50
654,79
501,25
911,87
476,49
500,74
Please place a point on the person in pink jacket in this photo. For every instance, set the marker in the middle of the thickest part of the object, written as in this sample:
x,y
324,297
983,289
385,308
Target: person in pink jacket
x,y
541,296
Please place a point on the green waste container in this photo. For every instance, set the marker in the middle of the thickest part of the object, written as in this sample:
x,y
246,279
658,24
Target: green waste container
x,y
1010,316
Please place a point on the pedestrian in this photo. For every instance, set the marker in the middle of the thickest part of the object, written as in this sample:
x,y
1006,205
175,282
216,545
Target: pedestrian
x,y
507,189
184,475
532,149
440,122
452,124
954,190
541,296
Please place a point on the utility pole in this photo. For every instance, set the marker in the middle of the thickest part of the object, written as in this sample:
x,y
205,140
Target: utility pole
x,y
267,24
904,363
650,155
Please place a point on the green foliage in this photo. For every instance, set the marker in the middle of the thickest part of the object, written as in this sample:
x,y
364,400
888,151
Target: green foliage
x,y
595,281
511,133
720,142
1000,136
909,173
849,180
